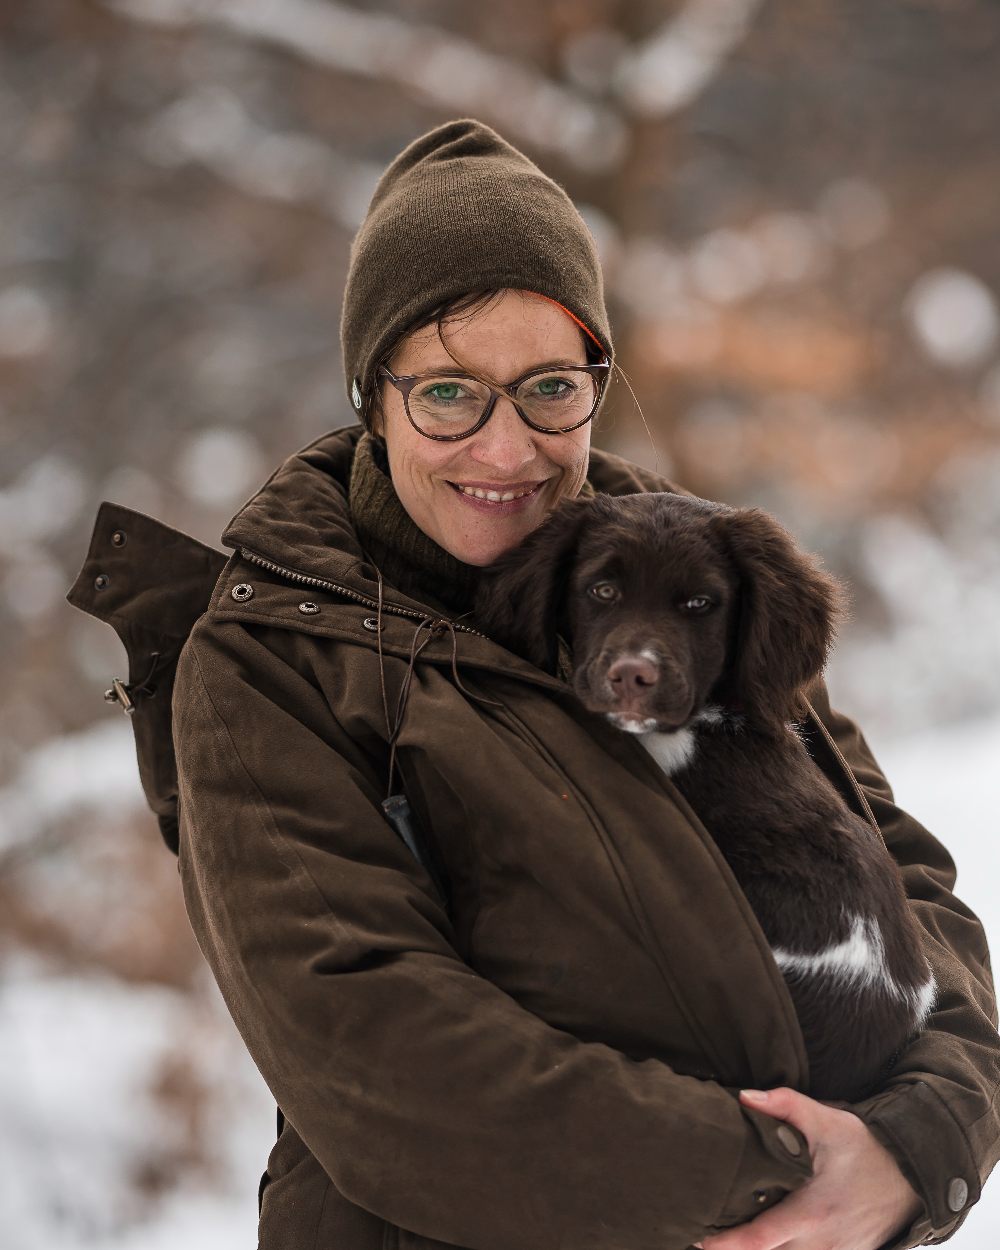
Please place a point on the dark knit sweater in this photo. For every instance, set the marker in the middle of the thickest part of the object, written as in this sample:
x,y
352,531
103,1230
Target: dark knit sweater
x,y
408,559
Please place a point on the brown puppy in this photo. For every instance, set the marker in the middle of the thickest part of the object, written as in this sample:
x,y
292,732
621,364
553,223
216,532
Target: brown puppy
x,y
695,626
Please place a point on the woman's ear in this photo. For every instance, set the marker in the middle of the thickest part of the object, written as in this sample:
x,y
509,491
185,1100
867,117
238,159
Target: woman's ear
x,y
519,595
787,614
376,417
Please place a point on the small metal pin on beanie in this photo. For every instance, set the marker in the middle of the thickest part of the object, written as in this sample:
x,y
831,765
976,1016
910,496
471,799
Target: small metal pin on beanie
x,y
355,395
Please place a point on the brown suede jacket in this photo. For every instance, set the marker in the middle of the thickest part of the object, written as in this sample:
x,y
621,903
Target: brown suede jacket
x,y
553,1063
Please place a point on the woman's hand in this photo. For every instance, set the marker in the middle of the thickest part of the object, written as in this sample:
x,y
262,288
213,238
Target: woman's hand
x,y
856,1199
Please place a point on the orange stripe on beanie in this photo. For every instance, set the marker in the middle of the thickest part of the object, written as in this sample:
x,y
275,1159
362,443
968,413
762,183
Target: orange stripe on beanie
x,y
575,318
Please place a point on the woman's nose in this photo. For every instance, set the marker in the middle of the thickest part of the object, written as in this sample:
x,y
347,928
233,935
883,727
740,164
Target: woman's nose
x,y
505,442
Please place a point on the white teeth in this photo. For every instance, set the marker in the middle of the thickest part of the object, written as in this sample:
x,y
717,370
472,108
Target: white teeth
x,y
494,496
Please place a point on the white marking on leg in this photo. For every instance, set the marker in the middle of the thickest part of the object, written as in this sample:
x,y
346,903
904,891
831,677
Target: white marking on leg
x,y
859,961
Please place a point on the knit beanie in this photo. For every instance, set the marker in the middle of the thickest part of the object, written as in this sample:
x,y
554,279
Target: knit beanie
x,y
460,210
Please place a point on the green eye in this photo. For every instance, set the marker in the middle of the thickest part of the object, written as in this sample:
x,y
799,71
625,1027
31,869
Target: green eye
x,y
444,391
552,386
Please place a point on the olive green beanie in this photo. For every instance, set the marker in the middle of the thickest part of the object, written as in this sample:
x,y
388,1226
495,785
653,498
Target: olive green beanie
x,y
459,210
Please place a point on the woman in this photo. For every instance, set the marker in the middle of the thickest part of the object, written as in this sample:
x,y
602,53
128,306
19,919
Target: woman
x,y
556,1058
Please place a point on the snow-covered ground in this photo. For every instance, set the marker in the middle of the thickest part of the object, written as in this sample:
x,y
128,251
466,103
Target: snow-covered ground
x,y
79,1057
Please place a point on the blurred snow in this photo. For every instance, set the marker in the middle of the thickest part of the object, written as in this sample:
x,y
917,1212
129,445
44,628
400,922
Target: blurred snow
x,y
85,1142
779,248
210,126
26,322
219,466
938,592
96,769
854,212
954,316
43,500
677,63
450,72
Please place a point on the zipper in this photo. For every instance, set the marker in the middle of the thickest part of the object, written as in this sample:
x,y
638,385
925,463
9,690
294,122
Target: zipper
x,y
395,608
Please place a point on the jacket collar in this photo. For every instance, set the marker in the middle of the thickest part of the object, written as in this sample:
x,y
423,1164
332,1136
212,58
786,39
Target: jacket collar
x,y
300,521
299,518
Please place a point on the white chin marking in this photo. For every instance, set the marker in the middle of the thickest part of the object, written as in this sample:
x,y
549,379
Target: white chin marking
x,y
632,724
672,751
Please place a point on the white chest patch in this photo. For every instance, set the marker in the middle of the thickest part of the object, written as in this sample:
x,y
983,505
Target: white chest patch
x,y
671,751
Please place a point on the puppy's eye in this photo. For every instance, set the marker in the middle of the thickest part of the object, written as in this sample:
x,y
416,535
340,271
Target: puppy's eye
x,y
697,603
604,591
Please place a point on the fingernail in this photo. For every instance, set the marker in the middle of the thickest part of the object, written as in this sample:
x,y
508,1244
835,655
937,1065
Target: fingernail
x,y
755,1095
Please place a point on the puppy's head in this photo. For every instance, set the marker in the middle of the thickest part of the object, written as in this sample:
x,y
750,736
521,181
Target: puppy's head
x,y
669,603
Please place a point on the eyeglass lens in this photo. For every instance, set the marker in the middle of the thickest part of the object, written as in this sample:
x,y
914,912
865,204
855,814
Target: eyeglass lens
x,y
555,400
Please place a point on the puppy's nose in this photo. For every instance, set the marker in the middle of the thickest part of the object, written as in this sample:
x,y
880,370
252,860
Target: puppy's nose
x,y
632,675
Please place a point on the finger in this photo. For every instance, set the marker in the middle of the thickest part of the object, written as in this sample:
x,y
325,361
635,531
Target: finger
x,y
784,1104
787,1222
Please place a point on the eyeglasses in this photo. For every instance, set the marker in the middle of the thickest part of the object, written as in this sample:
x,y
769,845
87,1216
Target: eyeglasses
x,y
553,399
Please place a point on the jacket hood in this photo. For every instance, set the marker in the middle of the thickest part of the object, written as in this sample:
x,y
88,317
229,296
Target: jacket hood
x,y
299,518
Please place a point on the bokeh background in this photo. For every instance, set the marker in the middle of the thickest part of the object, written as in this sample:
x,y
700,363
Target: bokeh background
x,y
796,207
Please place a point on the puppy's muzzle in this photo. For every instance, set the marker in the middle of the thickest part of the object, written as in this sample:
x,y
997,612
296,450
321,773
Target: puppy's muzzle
x,y
636,687
631,679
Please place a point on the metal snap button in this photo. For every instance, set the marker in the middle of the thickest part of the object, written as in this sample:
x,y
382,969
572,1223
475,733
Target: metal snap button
x,y
242,592
371,624
119,538
760,1196
308,609
958,1193
788,1140
101,581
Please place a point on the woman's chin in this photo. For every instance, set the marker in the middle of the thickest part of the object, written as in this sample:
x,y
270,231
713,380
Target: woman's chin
x,y
481,550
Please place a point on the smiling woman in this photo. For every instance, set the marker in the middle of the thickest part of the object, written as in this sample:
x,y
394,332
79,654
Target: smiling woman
x,y
535,1034
478,496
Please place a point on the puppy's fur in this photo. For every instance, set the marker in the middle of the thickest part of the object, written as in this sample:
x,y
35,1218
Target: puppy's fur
x,y
695,626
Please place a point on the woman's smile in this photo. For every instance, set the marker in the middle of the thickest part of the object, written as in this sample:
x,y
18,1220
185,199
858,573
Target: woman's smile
x,y
498,499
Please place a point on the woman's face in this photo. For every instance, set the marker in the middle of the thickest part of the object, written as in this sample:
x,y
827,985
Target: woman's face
x,y
516,333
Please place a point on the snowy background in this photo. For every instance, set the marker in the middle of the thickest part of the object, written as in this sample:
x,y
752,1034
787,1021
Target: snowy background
x,y
796,212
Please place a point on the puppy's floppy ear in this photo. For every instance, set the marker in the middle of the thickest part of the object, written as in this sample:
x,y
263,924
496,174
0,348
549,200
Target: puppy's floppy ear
x,y
788,611
519,595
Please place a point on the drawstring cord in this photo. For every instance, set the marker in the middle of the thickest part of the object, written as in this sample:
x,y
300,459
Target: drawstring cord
x,y
129,695
396,806
436,628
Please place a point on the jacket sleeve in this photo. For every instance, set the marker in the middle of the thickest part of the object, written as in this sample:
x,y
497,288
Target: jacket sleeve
x,y
938,1114
429,1096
